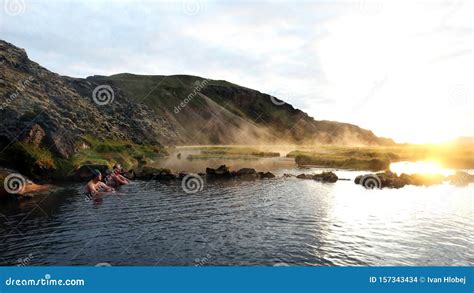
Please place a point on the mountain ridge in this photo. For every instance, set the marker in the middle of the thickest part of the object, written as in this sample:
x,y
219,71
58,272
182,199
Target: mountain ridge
x,y
56,112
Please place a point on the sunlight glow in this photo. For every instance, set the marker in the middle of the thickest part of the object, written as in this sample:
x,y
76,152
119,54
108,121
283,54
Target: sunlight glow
x,y
420,167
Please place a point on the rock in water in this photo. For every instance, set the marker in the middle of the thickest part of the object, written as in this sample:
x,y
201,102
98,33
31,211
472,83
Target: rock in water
x,y
267,175
326,177
323,177
221,172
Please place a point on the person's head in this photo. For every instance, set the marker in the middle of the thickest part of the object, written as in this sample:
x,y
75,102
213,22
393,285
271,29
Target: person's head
x,y
96,175
117,168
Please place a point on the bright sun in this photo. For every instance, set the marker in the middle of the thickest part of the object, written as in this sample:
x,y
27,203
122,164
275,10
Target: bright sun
x,y
379,67
420,167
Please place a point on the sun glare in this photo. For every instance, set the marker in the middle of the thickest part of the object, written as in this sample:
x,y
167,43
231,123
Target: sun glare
x,y
420,167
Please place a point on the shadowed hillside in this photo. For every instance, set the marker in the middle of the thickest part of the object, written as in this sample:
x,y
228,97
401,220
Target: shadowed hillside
x,y
47,112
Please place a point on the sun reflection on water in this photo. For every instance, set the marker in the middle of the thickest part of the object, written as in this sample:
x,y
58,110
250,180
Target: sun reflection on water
x,y
420,167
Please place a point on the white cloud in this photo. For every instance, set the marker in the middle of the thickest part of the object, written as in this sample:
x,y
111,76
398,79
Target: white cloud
x,y
401,68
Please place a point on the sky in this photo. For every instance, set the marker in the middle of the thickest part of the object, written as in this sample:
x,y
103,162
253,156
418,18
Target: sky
x,y
403,69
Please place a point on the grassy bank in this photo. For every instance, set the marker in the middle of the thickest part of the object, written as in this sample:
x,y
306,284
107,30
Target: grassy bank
x,y
41,163
231,153
379,158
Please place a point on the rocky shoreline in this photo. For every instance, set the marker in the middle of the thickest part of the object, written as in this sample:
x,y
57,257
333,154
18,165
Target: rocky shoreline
x,y
22,187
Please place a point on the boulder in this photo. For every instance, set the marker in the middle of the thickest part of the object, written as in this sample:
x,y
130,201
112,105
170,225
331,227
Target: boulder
x,y
246,171
221,172
182,174
305,176
148,173
246,174
322,177
34,136
267,175
326,177
391,180
85,172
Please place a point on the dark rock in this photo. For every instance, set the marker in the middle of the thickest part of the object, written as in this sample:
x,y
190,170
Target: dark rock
x,y
304,176
182,174
35,135
129,174
246,171
221,172
391,180
326,177
85,172
267,175
323,177
246,174
358,178
148,173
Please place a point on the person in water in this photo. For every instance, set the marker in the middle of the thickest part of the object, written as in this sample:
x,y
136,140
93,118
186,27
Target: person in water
x,y
95,186
116,178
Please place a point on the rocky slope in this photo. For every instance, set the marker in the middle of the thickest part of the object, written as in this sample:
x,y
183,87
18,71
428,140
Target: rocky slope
x,y
56,112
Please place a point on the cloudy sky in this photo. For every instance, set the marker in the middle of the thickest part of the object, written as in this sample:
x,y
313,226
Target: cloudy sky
x,y
403,69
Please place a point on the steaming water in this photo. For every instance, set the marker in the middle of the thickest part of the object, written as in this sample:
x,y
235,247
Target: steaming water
x,y
282,221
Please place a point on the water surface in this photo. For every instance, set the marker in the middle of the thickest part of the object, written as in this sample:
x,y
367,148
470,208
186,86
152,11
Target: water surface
x,y
282,221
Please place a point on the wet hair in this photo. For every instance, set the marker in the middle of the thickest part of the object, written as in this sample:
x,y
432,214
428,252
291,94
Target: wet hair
x,y
95,173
